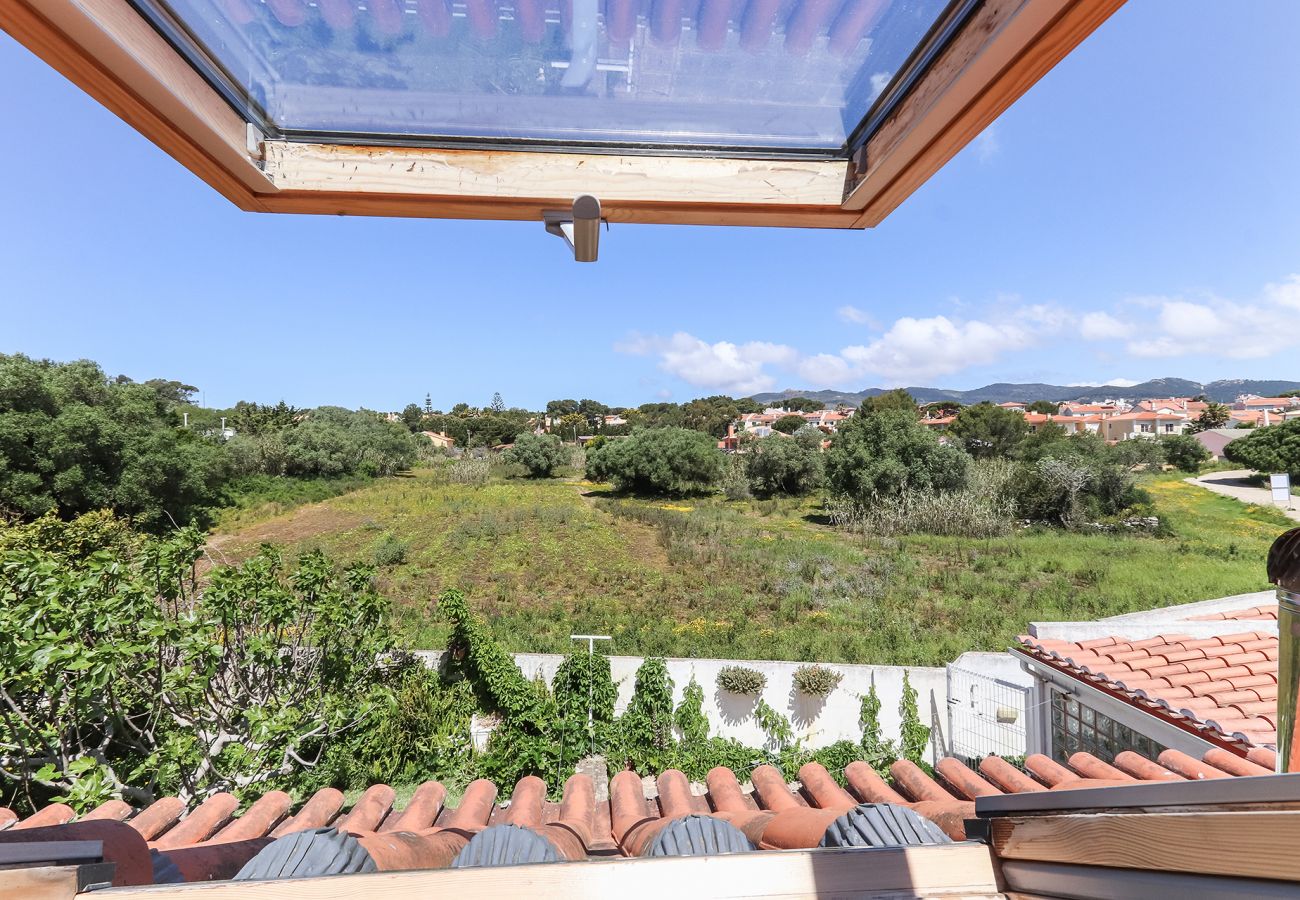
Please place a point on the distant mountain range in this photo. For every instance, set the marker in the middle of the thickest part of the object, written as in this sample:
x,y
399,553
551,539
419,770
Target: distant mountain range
x,y
1220,391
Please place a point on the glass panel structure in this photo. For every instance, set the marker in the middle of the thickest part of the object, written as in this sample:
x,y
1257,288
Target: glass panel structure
x,y
1077,727
777,75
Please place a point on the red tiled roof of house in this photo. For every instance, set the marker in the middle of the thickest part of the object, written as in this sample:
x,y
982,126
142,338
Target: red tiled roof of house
x,y
211,842
1222,687
1268,611
1147,416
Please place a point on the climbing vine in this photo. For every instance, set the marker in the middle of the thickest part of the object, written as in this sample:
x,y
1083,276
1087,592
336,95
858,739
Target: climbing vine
x,y
545,732
692,724
491,669
648,723
915,733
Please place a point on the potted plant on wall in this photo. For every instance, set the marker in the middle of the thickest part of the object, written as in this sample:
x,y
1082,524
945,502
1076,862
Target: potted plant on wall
x,y
741,680
816,681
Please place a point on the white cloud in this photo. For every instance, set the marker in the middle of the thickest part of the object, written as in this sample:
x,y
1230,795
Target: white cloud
x,y
1109,382
911,350
855,316
1253,329
1099,326
918,350
723,366
915,349
986,145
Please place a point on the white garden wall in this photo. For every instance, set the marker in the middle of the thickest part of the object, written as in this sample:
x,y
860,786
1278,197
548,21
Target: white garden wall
x,y
817,721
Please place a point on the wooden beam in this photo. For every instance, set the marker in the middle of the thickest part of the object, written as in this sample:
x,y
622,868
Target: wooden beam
x,y
1002,51
106,49
954,870
1241,844
405,205
39,883
514,175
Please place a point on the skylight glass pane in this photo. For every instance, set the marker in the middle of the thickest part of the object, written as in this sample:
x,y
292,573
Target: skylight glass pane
x,y
788,74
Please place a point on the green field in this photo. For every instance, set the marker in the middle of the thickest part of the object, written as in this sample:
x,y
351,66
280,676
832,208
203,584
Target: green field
x,y
754,579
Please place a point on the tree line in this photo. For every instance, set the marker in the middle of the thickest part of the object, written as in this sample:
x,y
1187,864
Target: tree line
x,y
73,440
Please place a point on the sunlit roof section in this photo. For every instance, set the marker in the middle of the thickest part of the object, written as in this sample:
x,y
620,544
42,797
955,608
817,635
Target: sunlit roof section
x,y
775,75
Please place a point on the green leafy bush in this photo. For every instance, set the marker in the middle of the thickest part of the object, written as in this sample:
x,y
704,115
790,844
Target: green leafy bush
x,y
741,680
889,453
539,454
985,430
389,551
1185,452
779,465
658,461
72,441
983,508
789,424
125,675
1272,449
816,681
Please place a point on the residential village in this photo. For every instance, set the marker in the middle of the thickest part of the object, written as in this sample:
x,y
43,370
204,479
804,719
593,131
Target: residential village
x,y
1113,420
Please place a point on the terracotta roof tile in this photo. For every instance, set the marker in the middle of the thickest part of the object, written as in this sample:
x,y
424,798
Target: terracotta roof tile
x,y
1226,685
211,841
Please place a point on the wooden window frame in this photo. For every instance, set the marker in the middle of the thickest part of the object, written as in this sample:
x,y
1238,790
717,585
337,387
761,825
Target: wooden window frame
x,y
108,50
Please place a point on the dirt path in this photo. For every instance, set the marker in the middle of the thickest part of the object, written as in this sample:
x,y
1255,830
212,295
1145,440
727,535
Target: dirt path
x,y
1236,484
296,525
642,540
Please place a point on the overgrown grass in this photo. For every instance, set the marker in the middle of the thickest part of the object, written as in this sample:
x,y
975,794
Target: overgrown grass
x,y
258,497
768,578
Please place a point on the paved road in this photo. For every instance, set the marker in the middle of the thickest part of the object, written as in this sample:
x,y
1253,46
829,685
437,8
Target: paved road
x,y
1235,484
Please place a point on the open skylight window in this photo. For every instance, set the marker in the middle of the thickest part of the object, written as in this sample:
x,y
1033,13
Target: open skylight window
x,y
795,113
767,74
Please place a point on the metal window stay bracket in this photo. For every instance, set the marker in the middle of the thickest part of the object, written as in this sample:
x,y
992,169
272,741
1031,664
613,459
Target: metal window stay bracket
x,y
255,139
578,227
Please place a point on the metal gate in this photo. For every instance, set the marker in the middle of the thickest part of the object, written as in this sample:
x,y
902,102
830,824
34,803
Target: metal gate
x,y
985,716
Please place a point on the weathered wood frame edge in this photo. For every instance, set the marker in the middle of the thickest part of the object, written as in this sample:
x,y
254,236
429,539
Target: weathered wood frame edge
x,y
108,50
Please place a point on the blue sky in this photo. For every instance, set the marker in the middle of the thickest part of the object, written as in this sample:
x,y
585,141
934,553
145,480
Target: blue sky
x,y
1133,216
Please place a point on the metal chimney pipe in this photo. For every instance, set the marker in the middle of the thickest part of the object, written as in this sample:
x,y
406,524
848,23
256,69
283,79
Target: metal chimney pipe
x,y
1284,571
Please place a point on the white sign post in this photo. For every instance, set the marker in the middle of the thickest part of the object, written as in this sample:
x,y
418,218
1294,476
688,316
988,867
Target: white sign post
x,y
1281,486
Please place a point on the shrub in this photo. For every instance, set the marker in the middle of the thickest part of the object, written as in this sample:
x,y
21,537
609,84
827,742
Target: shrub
x,y
983,508
1272,449
1068,490
778,465
72,441
132,677
418,729
888,453
741,680
789,424
389,551
816,681
735,483
468,470
1185,452
539,454
658,461
985,430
